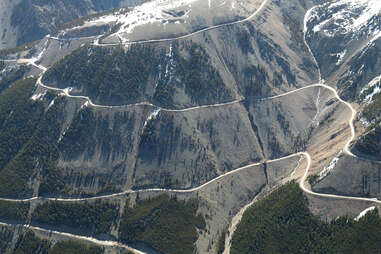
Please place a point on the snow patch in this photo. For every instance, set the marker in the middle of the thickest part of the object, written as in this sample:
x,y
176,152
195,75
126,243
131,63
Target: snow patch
x,y
152,116
375,91
86,104
38,96
157,11
370,44
365,122
67,90
363,213
347,16
373,88
318,27
328,168
42,51
340,57
170,63
51,104
169,67
310,14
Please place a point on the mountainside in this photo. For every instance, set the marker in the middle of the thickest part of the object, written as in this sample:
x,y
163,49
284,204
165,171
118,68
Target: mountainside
x,y
151,126
345,38
23,21
300,231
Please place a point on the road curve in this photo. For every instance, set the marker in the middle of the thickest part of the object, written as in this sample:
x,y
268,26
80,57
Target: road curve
x,y
303,187
304,154
346,148
66,93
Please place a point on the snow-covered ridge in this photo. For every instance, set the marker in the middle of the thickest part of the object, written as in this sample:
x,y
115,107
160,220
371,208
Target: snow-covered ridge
x,y
360,17
171,16
149,12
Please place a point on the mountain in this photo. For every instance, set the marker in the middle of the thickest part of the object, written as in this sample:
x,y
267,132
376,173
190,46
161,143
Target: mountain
x,y
345,36
43,17
153,126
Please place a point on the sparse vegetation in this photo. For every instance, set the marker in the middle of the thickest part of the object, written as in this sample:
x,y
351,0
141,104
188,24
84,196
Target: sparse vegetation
x,y
40,149
93,218
202,81
107,76
74,247
29,243
372,111
27,137
255,78
165,223
282,223
27,46
26,22
296,29
5,238
18,118
243,39
118,76
370,143
361,68
221,242
32,25
13,211
312,179
81,21
11,77
2,66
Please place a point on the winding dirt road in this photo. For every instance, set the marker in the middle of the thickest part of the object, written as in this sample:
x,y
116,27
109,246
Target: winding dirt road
x,y
306,155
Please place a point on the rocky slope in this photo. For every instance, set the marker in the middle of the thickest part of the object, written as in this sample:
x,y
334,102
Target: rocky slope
x,y
345,38
103,115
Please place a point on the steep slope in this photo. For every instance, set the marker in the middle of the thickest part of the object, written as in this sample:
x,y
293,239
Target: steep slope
x,y
291,228
345,38
25,21
8,32
221,115
142,74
